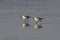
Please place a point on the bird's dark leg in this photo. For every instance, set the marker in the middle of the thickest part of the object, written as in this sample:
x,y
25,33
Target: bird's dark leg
x,y
35,22
27,20
40,22
24,21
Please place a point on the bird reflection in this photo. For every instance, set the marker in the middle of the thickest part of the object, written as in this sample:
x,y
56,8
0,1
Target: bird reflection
x,y
36,26
24,25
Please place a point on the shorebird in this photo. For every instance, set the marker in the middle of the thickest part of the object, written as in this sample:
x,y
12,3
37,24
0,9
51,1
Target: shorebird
x,y
37,19
25,18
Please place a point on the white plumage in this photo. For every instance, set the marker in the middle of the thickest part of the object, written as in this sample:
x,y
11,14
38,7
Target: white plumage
x,y
36,26
24,25
25,17
37,19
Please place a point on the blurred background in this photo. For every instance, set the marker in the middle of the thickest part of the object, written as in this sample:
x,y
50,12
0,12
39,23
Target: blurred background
x,y
10,21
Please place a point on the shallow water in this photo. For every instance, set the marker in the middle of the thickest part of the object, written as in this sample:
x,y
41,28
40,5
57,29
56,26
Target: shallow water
x,y
10,21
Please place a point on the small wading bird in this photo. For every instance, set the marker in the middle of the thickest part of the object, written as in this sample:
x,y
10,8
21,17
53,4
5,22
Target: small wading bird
x,y
25,18
37,19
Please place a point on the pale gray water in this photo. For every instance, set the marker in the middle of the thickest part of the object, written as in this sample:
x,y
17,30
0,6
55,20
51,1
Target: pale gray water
x,y
11,10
